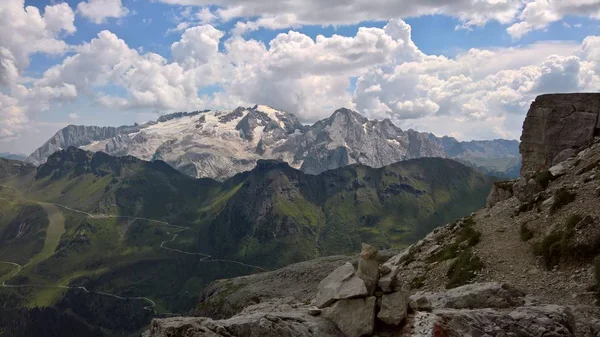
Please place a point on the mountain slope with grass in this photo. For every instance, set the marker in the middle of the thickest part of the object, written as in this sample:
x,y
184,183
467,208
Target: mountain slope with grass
x,y
87,234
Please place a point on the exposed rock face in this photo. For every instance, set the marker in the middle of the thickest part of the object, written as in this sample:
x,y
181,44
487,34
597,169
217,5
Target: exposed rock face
x,y
342,283
473,296
219,144
263,320
355,317
555,123
500,191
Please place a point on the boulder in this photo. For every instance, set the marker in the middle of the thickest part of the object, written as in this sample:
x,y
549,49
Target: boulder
x,y
368,267
354,317
393,308
525,188
387,282
472,296
421,303
500,191
554,123
564,155
558,169
342,283
544,320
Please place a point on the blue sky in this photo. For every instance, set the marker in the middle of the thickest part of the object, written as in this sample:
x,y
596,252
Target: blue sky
x,y
456,70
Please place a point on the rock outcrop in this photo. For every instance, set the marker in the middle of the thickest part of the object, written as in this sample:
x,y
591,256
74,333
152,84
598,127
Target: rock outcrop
x,y
555,123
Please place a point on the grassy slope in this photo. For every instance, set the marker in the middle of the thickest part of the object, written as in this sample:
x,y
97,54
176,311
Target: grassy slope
x,y
272,216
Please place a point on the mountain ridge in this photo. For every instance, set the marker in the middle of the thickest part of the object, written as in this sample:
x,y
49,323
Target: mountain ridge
x,y
221,143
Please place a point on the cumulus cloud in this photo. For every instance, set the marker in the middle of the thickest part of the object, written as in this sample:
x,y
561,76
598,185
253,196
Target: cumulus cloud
x,y
98,11
25,31
12,116
538,14
197,44
479,93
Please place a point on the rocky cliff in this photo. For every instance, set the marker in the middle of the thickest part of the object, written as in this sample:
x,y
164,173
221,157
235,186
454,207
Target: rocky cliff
x,y
555,126
526,265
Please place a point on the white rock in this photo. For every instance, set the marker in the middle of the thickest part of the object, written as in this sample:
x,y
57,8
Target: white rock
x,y
354,317
393,308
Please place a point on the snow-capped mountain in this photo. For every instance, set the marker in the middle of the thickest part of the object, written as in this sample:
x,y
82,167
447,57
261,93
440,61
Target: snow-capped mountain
x,y
221,143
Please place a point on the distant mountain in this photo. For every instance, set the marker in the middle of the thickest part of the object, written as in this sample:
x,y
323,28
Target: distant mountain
x,y
219,144
13,156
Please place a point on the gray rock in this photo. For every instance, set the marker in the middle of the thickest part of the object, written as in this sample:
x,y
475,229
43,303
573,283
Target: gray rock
x,y
525,188
420,303
225,298
546,320
393,308
554,123
271,322
558,169
314,311
368,267
342,283
387,282
500,192
478,295
564,155
355,317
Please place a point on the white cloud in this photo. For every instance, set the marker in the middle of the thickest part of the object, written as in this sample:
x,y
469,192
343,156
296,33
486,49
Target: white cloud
x,y
289,13
25,31
73,116
98,11
197,44
12,116
538,14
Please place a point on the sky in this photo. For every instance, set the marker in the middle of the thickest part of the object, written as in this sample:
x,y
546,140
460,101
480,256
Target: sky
x,y
464,68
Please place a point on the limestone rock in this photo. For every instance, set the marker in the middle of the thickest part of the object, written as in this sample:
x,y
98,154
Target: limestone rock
x,y
545,320
500,191
525,188
387,282
368,267
421,303
564,155
393,308
558,169
354,317
478,295
554,123
264,322
342,283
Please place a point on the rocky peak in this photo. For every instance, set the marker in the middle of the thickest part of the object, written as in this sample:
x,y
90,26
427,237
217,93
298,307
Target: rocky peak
x,y
557,123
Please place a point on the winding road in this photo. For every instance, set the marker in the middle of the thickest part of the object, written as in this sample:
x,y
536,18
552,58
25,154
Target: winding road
x,y
206,258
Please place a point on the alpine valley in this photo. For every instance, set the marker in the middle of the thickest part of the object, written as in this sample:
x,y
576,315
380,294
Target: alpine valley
x,y
93,244
219,144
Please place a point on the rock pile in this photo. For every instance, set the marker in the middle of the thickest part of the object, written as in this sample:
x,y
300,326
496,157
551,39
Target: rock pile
x,y
480,309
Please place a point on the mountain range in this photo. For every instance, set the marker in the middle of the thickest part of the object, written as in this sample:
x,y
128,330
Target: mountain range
x,y
143,230
218,144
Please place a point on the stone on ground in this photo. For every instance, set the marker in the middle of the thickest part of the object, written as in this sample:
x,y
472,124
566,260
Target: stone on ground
x,y
342,283
354,317
393,308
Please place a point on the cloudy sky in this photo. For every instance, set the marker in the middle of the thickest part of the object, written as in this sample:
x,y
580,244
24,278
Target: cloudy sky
x,y
466,68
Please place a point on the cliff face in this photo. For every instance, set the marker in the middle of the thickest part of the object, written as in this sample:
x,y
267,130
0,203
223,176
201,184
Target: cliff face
x,y
557,123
